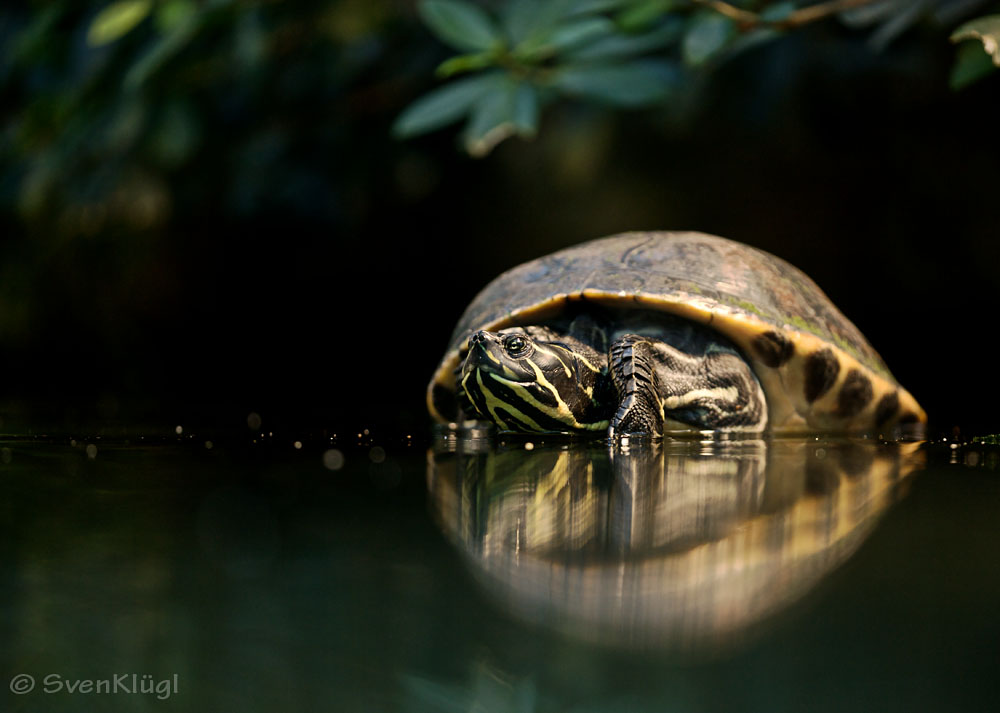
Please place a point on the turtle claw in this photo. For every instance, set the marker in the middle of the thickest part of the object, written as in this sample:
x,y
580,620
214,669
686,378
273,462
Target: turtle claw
x,y
636,418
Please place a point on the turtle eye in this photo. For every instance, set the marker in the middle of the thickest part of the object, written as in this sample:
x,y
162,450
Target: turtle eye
x,y
515,345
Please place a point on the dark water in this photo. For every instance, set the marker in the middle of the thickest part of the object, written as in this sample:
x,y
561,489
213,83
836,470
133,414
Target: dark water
x,y
463,575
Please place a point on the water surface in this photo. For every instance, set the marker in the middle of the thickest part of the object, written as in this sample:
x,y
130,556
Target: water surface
x,y
458,575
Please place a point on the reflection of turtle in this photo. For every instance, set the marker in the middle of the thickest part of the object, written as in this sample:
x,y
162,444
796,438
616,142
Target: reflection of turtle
x,y
678,545
653,332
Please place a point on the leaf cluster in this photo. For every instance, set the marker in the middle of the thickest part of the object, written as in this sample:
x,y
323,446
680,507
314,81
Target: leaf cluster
x,y
517,56
122,114
526,54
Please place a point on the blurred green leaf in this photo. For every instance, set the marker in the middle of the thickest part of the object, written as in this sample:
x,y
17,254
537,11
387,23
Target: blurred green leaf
x,y
518,17
622,46
126,125
640,15
35,36
165,48
460,24
464,63
251,43
582,7
779,12
116,20
558,39
171,13
525,20
431,695
526,109
443,105
508,107
40,175
986,30
971,65
633,84
580,32
706,36
492,117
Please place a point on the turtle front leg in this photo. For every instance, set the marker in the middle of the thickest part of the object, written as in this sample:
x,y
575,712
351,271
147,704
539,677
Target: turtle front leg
x,y
653,381
631,365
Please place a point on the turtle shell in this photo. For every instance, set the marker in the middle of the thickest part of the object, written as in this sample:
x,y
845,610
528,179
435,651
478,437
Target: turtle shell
x,y
818,371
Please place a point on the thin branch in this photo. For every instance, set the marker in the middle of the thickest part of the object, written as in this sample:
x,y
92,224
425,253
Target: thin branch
x,y
744,17
818,12
748,19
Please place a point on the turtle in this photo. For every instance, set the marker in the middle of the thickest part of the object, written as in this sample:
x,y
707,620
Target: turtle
x,y
661,333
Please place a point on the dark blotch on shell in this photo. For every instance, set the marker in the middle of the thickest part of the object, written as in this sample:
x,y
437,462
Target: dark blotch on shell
x,y
822,368
773,348
854,394
886,409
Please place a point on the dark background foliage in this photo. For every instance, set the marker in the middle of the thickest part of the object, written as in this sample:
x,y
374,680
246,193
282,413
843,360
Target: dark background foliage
x,y
236,230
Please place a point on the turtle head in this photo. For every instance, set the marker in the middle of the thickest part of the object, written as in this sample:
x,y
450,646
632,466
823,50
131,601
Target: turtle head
x,y
533,379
